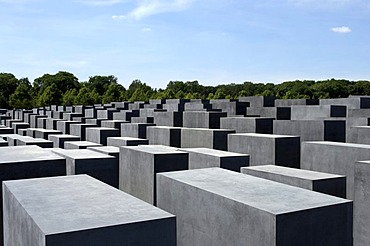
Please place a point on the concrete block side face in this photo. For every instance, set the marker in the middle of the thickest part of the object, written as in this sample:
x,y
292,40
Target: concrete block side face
x,y
220,140
136,174
175,138
283,113
264,126
193,138
338,111
333,159
204,218
335,131
329,225
19,227
302,183
288,152
361,216
364,102
155,232
334,186
234,163
105,170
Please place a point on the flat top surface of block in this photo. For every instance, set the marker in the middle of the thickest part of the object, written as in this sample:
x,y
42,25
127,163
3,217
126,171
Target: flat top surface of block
x,y
79,202
82,143
102,129
207,129
64,136
81,154
28,139
266,195
259,135
293,172
45,130
348,145
164,127
127,138
249,118
155,149
26,153
212,152
105,149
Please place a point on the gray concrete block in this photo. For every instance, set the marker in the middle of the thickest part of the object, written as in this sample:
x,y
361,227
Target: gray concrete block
x,y
248,124
80,144
291,102
71,116
313,130
168,119
142,119
41,122
317,112
25,140
23,162
267,149
100,134
199,119
361,203
58,140
205,158
19,125
126,141
125,115
335,158
79,210
52,123
278,113
230,106
108,150
3,143
6,130
359,134
330,184
205,138
352,102
34,120
259,101
135,130
93,121
64,126
44,133
80,129
113,124
97,165
214,206
31,132
164,135
138,166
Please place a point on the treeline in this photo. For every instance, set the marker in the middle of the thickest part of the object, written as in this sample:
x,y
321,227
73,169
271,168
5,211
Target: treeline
x,y
63,88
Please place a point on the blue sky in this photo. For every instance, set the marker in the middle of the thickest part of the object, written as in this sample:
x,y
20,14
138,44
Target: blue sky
x,y
212,41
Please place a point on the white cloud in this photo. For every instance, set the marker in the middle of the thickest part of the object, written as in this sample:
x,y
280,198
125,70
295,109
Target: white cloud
x,y
152,7
146,29
342,29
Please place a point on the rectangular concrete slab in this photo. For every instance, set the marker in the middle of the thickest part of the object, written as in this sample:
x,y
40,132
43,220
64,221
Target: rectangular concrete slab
x,y
139,165
58,140
23,162
248,124
326,183
335,158
82,161
126,141
205,158
164,135
215,206
79,210
100,134
267,149
79,144
205,138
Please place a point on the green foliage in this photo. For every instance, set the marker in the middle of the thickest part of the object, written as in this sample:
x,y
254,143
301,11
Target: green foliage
x,y
22,96
64,88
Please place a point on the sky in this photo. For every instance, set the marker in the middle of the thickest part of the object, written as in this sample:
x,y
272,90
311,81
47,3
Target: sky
x,y
212,41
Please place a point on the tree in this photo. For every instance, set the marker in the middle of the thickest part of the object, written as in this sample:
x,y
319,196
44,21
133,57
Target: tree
x,y
22,97
8,84
50,96
69,97
101,83
114,93
219,94
139,95
63,80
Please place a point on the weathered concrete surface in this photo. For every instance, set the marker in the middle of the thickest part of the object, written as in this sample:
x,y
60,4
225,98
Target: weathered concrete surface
x,y
139,165
172,118
205,138
97,165
79,210
58,140
80,130
248,124
205,158
267,149
25,140
317,112
326,183
64,125
80,144
100,134
126,141
199,119
108,150
215,206
135,130
313,130
23,162
164,135
336,158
